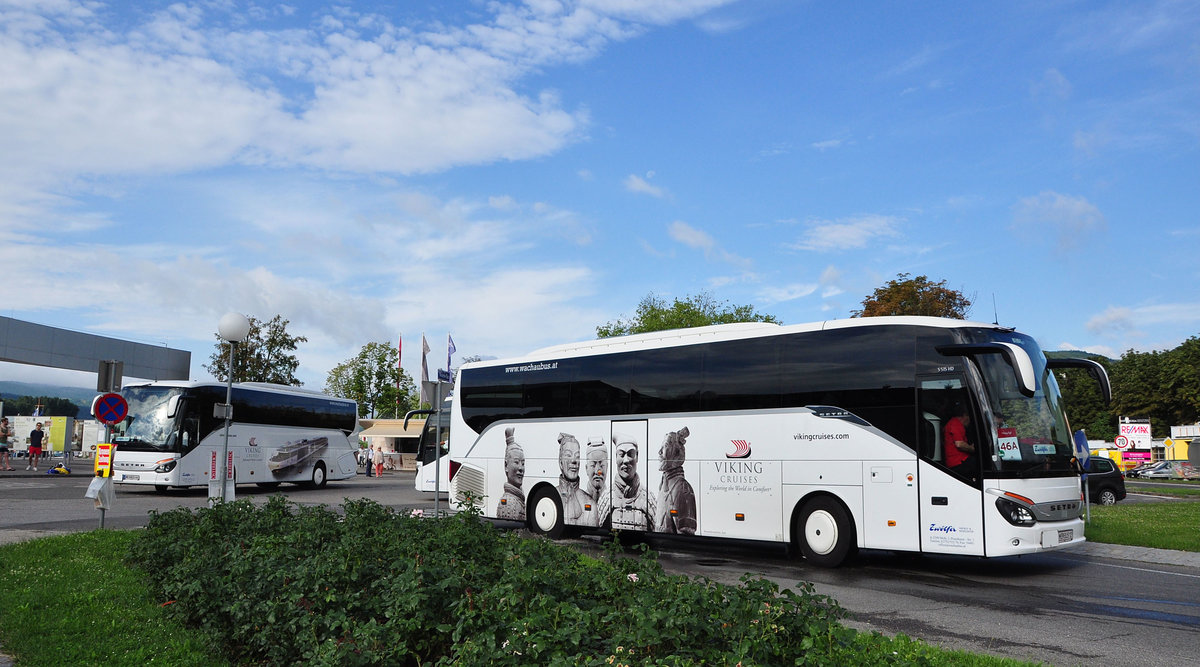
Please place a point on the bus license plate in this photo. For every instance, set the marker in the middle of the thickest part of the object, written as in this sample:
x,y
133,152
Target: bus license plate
x,y
137,477
1065,535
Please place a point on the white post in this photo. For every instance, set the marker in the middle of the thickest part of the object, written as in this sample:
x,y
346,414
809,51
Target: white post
x,y
233,327
437,462
224,471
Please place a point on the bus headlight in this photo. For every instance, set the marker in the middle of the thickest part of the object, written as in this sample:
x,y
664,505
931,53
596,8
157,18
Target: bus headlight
x,y
1014,513
165,465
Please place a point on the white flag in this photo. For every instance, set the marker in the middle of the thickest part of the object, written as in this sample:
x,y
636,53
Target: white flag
x,y
425,397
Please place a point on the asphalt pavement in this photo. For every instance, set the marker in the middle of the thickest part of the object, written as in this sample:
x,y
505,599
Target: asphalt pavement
x,y
1116,551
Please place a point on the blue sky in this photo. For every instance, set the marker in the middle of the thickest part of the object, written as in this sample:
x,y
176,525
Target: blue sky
x,y
518,173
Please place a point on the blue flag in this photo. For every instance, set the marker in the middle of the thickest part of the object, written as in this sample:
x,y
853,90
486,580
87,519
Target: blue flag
x,y
450,349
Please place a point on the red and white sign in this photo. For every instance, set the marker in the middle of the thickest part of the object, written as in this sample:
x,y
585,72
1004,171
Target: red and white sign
x,y
1010,449
103,464
1122,442
1135,431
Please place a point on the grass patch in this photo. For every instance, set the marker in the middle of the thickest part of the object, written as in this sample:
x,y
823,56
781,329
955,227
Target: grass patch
x,y
1167,488
70,600
1165,525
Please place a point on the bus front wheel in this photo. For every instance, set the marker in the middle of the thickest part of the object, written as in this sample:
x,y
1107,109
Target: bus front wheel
x,y
318,476
161,488
545,514
825,532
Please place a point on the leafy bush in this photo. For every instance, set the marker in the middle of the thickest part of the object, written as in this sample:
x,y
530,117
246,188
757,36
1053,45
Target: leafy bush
x,y
285,584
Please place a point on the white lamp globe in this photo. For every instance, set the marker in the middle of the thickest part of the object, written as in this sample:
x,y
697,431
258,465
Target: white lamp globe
x,y
233,327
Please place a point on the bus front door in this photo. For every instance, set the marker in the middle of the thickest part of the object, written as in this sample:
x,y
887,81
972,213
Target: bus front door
x,y
628,487
951,504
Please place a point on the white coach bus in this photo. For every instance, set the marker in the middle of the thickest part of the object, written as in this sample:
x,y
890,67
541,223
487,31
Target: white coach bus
x,y
278,434
829,437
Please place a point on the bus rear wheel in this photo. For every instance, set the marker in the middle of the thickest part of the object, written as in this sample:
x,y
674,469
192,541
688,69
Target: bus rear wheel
x,y
825,532
318,476
546,514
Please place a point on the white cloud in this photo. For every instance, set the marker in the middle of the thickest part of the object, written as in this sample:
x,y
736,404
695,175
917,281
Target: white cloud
x,y
1117,320
1071,219
635,183
847,233
183,90
772,295
1053,84
827,145
701,240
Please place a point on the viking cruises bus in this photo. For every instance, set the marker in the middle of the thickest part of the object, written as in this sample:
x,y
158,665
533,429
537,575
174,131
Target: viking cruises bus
x,y
278,434
827,437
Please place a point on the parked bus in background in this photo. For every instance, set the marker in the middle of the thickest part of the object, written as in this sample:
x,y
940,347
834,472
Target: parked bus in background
x,y
437,429
828,437
278,434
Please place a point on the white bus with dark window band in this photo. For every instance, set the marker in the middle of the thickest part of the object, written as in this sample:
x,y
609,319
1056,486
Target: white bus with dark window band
x,y
278,434
829,437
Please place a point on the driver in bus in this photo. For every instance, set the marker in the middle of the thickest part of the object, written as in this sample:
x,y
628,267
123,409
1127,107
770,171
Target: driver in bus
x,y
573,498
961,455
512,502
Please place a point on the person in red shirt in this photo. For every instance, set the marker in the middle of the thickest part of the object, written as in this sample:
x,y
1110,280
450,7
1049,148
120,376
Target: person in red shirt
x,y
960,453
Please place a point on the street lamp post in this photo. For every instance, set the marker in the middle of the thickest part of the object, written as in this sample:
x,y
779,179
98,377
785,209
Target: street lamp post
x,y
233,328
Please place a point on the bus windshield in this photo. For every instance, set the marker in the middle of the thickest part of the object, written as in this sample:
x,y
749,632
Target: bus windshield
x,y
1029,435
148,426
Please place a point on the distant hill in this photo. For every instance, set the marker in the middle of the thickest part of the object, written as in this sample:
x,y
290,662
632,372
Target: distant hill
x,y
80,396
1076,354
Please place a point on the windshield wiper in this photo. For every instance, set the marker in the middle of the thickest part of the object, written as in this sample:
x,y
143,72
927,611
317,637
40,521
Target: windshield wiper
x,y
137,441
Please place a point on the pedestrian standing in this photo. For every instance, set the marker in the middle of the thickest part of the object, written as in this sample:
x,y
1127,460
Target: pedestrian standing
x,y
36,437
5,434
378,459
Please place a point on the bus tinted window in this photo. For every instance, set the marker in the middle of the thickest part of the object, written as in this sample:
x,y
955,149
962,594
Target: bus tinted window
x,y
667,380
870,373
601,385
742,375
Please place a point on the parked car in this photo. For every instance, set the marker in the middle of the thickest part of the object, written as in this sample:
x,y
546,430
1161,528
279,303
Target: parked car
x,y
1142,469
1171,470
1105,482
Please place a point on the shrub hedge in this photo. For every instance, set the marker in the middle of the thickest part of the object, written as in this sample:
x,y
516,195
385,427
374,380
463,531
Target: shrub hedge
x,y
284,584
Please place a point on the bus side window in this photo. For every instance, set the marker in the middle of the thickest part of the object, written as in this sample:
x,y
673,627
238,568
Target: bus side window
x,y
189,435
931,437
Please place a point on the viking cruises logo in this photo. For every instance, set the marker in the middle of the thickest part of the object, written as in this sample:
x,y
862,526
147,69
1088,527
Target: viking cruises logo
x,y
741,449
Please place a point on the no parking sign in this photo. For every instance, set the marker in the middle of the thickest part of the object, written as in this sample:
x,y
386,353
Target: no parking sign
x,y
110,409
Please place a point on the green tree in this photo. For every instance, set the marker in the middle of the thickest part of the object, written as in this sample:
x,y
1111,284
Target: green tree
x,y
1137,388
655,314
1181,381
52,406
265,355
915,296
375,380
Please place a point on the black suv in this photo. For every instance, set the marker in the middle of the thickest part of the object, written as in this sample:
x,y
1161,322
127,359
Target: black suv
x,y
1105,482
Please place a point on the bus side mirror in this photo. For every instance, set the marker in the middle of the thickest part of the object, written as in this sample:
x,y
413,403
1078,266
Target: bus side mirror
x,y
1093,368
172,406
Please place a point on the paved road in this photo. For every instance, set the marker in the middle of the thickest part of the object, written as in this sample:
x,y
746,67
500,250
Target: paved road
x,y
39,505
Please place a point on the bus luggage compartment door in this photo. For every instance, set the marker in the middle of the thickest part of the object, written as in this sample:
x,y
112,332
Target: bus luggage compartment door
x,y
890,505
